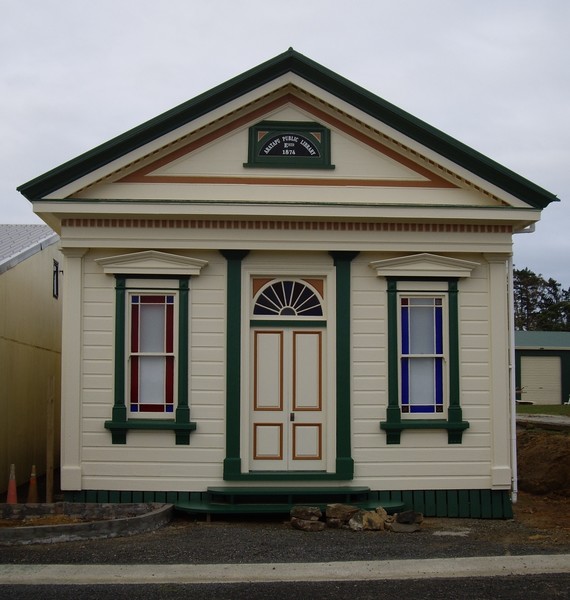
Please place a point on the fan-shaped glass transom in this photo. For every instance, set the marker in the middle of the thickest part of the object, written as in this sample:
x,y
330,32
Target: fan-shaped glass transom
x,y
288,298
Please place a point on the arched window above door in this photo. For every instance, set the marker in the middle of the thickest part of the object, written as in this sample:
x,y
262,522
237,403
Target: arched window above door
x,y
287,298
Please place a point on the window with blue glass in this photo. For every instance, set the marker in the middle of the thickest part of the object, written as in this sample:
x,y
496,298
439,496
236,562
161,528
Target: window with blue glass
x,y
152,354
422,358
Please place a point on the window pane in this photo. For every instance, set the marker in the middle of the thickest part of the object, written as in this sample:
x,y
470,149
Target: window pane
x,y
422,334
152,328
438,330
422,354
152,359
439,381
422,381
152,380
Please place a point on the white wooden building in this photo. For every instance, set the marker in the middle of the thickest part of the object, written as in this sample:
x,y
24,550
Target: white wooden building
x,y
289,284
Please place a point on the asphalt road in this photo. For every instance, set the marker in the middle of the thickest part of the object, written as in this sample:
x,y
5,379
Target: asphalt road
x,y
511,588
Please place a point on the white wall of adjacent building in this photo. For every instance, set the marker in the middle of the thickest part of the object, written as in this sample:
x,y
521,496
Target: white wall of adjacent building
x,y
30,366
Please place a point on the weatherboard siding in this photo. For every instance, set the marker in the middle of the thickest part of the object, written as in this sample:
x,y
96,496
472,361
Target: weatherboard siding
x,y
423,459
150,460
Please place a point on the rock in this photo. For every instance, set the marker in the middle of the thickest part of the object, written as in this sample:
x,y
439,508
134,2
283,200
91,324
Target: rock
x,y
343,512
403,527
409,517
307,525
366,520
307,513
382,512
333,523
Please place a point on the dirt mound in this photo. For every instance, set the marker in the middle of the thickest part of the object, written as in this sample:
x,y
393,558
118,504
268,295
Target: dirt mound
x,y
543,502
544,462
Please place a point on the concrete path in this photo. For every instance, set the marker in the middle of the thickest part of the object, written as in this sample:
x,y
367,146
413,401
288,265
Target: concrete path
x,y
274,572
557,422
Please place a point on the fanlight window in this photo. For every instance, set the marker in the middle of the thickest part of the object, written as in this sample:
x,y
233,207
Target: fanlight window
x,y
288,298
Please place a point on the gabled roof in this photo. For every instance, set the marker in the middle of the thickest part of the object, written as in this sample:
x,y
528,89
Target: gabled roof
x,y
542,340
19,242
291,61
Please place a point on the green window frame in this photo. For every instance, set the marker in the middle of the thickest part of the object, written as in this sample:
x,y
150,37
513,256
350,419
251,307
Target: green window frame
x,y
179,421
394,423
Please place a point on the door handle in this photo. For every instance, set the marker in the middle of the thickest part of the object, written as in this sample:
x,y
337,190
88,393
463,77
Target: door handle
x,y
292,417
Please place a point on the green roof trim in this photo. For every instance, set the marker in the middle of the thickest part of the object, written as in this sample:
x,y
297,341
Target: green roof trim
x,y
290,61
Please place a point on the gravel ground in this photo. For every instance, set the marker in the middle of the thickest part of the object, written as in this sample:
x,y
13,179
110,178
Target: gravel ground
x,y
273,540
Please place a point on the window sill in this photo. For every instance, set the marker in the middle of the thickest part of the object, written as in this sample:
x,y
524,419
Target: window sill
x,y
119,429
454,429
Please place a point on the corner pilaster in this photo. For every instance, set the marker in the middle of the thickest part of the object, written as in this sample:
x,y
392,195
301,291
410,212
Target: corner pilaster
x,y
501,472
71,364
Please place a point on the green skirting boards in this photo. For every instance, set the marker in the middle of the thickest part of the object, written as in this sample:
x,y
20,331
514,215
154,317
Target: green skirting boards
x,y
475,504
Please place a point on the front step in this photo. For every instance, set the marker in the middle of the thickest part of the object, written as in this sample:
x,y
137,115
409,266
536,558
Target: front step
x,y
280,500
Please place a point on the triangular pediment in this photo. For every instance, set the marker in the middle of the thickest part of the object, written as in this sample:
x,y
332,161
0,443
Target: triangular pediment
x,y
219,157
423,265
151,262
184,153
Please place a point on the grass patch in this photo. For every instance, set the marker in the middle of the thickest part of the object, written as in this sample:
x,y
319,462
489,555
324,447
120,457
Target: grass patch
x,y
550,409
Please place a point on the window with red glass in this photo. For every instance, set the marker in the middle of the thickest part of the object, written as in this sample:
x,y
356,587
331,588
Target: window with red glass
x,y
152,354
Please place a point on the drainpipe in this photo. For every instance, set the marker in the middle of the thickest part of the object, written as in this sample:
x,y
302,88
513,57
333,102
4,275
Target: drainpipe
x,y
513,399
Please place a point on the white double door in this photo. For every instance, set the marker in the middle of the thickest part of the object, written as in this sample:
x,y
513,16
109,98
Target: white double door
x,y
287,407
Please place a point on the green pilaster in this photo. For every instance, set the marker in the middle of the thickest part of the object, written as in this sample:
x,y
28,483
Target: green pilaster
x,y
182,408
393,414
232,462
454,412
344,460
119,407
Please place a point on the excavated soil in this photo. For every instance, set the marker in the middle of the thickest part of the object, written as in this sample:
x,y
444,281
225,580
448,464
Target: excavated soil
x,y
544,481
544,461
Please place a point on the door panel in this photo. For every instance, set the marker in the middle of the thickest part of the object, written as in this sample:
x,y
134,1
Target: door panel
x,y
268,441
307,370
268,366
307,441
287,409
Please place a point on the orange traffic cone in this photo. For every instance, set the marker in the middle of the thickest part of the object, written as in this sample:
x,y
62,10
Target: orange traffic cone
x,y
33,487
12,497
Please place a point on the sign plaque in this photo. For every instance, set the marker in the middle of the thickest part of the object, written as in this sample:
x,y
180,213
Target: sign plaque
x,y
289,144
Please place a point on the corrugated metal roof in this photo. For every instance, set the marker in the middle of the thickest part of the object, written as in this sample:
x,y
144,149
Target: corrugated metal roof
x,y
542,339
19,242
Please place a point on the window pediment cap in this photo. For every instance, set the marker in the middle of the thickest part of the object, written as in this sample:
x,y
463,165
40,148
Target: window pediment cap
x,y
151,262
423,265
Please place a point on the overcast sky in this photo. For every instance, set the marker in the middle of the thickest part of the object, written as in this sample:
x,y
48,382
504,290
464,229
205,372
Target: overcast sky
x,y
492,73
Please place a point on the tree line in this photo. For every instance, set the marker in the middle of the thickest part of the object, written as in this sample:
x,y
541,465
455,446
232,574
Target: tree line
x,y
540,304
